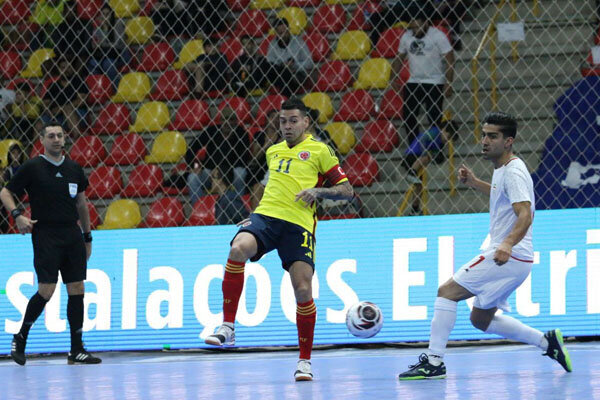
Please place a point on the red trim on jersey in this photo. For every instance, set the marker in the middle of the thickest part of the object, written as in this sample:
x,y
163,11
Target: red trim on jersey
x,y
525,261
481,258
514,158
335,174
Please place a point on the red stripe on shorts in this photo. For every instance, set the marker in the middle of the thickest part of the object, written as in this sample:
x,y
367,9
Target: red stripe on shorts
x,y
518,259
481,258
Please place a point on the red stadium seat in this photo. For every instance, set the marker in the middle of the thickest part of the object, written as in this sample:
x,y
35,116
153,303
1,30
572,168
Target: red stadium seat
x,y
378,136
272,101
105,183
128,149
203,212
144,181
253,23
113,119
88,9
88,151
171,85
391,105
318,45
238,5
329,18
191,115
100,88
13,12
157,57
10,64
164,212
304,3
388,43
46,85
263,49
334,76
37,149
361,169
357,105
232,49
94,216
239,105
358,21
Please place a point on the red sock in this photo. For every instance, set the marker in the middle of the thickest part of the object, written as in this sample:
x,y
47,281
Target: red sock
x,y
306,315
233,283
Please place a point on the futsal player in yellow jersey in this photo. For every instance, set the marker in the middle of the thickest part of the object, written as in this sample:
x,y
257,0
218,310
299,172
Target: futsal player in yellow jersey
x,y
285,219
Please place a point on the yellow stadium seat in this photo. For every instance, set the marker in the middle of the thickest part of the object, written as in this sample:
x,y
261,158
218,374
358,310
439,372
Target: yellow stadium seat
x,y
124,8
34,64
189,53
139,30
321,102
133,87
374,74
343,136
151,117
342,1
352,45
4,146
401,24
266,4
122,214
296,18
168,147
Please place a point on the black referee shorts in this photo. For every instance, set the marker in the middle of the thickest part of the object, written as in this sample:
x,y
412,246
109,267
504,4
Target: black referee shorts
x,y
59,249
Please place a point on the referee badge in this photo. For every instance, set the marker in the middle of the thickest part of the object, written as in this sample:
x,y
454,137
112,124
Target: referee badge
x,y
73,189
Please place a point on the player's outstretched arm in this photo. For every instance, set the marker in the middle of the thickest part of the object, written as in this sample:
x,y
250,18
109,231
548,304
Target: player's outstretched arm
x,y
342,191
466,176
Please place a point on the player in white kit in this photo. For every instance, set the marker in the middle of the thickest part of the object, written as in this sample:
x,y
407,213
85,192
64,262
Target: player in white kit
x,y
494,274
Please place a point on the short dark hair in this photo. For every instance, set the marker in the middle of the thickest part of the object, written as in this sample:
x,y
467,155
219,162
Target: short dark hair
x,y
50,124
314,114
506,122
295,104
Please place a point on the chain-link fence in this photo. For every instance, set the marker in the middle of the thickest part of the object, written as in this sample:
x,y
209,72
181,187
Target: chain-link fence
x,y
170,105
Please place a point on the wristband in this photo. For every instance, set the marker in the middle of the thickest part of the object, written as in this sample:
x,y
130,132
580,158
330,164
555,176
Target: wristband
x,y
87,237
16,212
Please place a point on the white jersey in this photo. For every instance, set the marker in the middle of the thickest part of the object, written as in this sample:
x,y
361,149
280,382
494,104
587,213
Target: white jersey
x,y
425,56
511,183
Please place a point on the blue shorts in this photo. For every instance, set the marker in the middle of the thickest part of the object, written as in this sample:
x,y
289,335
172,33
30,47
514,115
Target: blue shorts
x,y
293,242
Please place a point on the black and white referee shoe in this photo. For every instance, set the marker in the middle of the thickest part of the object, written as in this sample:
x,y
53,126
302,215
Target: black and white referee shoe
x,y
82,357
17,349
303,371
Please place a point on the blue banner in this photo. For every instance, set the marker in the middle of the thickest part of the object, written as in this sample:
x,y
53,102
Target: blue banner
x,y
151,288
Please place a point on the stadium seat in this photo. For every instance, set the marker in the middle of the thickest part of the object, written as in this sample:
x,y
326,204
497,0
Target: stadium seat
x,y
34,64
378,136
304,3
374,74
88,151
266,4
164,212
128,149
388,43
253,23
171,85
329,19
144,181
100,89
268,103
343,136
139,30
318,45
4,146
36,149
296,18
238,5
334,76
151,117
10,64
352,45
46,85
322,102
105,183
404,74
133,87
232,48
113,119
391,104
191,115
88,9
203,212
94,217
239,105
124,8
122,214
356,105
12,12
359,18
156,57
361,169
190,51
168,147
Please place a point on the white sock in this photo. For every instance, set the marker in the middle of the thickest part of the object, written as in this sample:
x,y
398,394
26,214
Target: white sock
x,y
514,329
444,317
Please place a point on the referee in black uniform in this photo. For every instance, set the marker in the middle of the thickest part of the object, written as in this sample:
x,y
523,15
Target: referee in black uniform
x,y
55,185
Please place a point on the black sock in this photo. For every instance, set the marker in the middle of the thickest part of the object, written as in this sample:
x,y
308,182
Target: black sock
x,y
75,317
34,309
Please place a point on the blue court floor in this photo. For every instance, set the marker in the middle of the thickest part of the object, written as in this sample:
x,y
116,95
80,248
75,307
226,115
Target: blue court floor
x,y
477,372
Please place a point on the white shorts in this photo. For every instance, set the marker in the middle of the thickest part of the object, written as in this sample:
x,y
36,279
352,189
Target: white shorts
x,y
491,283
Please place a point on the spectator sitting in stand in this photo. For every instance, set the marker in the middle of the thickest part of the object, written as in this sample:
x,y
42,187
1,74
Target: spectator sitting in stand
x,y
229,208
23,113
48,15
73,37
208,17
227,147
109,51
250,70
169,19
210,71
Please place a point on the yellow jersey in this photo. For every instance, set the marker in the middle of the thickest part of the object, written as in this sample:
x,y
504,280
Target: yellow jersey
x,y
292,170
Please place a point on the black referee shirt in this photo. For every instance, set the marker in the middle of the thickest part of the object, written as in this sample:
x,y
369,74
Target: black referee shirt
x,y
52,189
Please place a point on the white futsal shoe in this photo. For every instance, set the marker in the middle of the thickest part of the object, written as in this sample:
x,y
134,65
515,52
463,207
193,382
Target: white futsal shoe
x,y
224,336
303,371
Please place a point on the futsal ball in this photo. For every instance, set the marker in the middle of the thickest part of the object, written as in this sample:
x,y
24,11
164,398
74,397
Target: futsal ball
x,y
364,319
